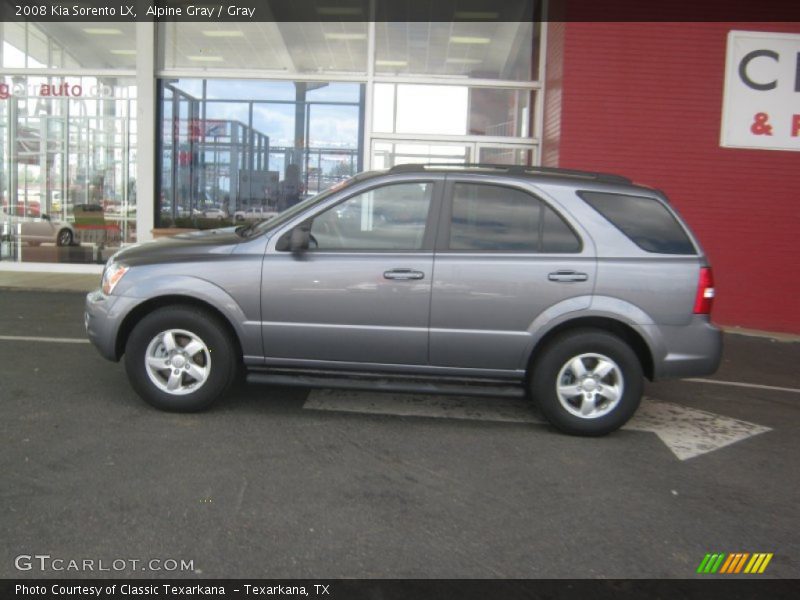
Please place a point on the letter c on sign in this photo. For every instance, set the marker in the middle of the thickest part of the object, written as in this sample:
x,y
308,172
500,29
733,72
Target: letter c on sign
x,y
746,78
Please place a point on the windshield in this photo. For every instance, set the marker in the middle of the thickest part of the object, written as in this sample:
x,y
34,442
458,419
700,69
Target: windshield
x,y
291,212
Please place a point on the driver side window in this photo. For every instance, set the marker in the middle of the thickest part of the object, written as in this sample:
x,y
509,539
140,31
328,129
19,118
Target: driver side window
x,y
391,217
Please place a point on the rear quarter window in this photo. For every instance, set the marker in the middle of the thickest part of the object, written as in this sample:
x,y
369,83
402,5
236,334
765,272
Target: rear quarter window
x,y
645,221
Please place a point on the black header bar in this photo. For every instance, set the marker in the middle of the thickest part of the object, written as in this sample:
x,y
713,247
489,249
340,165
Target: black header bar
x,y
399,10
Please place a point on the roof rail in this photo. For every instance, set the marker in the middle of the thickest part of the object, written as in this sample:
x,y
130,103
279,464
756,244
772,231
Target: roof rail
x,y
513,170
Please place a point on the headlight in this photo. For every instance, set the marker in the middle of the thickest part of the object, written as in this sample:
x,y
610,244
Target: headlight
x,y
112,275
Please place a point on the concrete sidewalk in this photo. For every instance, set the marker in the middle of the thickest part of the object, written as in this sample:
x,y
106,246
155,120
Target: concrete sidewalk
x,y
49,281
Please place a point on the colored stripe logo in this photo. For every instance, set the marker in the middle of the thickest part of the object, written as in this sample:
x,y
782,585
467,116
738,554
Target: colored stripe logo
x,y
734,563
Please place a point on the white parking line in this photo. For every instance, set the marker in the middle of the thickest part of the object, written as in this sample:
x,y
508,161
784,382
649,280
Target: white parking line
x,y
756,386
49,340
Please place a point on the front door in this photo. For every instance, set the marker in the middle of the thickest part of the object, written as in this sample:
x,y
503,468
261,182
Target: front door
x,y
361,293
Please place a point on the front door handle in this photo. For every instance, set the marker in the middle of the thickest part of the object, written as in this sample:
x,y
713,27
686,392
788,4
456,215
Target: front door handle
x,y
403,274
567,276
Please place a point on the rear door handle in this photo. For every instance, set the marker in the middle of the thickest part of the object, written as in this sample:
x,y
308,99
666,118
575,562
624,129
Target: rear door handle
x,y
567,276
403,274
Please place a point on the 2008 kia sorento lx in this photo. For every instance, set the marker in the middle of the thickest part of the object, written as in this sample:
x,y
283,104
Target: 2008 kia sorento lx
x,y
567,285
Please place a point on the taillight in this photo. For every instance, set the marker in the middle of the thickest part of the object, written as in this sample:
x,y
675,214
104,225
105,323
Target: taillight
x,y
705,292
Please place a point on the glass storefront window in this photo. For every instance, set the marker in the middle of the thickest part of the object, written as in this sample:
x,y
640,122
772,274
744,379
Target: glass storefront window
x,y
506,155
67,167
451,110
475,50
307,47
68,45
261,149
386,153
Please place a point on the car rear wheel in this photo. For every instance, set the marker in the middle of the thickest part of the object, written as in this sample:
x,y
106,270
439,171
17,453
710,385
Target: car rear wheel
x,y
180,358
587,382
64,238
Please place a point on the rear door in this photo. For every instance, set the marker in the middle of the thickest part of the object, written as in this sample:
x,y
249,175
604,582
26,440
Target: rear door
x,y
503,257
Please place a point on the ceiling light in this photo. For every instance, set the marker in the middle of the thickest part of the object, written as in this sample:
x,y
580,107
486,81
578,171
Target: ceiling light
x,y
345,36
102,31
124,52
221,33
466,39
206,58
391,63
464,61
338,11
469,14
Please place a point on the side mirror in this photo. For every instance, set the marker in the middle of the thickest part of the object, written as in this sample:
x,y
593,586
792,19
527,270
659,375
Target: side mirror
x,y
300,238
45,217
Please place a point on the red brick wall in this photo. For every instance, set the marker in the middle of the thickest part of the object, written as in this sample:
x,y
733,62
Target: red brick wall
x,y
645,100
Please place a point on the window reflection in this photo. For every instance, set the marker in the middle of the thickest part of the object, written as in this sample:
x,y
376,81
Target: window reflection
x,y
291,47
391,217
490,218
68,45
477,50
451,110
257,152
67,162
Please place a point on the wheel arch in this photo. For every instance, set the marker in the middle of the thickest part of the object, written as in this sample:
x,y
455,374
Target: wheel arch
x,y
152,304
619,328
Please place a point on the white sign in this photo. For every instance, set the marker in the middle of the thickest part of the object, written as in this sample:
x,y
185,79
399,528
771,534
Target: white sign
x,y
761,102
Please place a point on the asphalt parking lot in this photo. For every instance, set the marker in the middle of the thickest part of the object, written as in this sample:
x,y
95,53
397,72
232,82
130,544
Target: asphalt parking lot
x,y
284,482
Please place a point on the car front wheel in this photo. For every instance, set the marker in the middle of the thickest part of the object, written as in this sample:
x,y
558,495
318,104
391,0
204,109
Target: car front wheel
x,y
64,238
180,359
587,382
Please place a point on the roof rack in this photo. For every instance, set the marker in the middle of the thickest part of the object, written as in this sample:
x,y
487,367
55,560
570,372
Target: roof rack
x,y
513,170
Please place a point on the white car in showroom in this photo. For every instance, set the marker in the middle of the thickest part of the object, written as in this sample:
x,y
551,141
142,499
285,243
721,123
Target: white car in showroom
x,y
254,213
36,230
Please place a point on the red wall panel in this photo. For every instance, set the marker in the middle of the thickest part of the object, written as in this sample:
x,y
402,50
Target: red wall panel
x,y
645,100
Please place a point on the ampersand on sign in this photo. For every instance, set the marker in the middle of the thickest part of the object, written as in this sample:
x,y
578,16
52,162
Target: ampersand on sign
x,y
759,126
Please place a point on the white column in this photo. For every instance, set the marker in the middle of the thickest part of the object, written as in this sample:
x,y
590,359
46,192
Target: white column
x,y
145,130
370,91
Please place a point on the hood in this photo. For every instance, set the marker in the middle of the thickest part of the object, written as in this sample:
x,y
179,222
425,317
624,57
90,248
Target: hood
x,y
185,246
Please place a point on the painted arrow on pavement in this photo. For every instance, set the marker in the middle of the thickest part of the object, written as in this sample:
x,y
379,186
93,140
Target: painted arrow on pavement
x,y
687,432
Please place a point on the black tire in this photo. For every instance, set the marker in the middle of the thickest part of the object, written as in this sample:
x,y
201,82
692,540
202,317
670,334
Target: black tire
x,y
222,357
593,348
64,238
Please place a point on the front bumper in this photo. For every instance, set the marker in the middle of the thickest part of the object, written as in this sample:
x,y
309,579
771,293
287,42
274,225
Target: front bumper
x,y
103,317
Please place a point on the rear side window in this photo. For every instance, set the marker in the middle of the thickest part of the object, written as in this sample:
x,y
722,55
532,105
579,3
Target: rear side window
x,y
645,221
493,218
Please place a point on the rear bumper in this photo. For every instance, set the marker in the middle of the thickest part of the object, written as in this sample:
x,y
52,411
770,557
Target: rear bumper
x,y
690,351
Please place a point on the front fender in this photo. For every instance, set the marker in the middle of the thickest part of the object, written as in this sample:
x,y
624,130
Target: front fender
x,y
153,287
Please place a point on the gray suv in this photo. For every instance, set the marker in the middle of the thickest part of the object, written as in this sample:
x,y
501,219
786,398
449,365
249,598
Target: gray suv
x,y
567,286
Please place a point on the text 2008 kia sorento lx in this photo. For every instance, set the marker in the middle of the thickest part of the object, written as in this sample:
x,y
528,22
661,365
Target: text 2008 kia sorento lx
x,y
567,285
